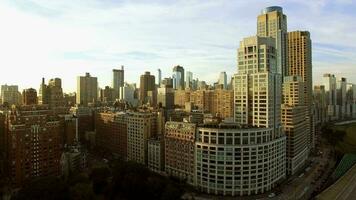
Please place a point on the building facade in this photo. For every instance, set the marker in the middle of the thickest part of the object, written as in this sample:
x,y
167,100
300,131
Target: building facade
x,y
34,145
236,161
10,94
111,133
29,97
87,89
179,141
178,78
147,84
140,127
296,125
118,82
155,154
273,23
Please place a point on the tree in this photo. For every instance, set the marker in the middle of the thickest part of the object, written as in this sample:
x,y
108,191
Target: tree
x,y
44,188
100,177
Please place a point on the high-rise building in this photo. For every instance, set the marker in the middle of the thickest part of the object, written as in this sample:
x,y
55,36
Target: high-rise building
x,y
189,80
107,95
111,133
300,64
118,82
51,94
258,87
300,61
320,104
341,85
223,80
159,77
178,78
87,89
140,127
130,94
329,82
165,97
29,97
167,82
10,94
34,143
351,100
147,84
295,123
273,23
179,150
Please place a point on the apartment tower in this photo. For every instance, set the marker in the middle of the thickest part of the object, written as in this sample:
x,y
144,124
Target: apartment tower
x,y
87,89
273,23
118,82
300,64
296,125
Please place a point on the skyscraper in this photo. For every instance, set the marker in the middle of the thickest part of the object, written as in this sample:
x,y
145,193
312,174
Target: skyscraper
x,y
329,81
300,64
178,77
87,89
118,82
159,77
273,23
341,96
147,84
189,80
258,86
295,123
223,80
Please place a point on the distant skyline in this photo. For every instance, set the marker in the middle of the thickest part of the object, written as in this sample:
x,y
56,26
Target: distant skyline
x,y
64,39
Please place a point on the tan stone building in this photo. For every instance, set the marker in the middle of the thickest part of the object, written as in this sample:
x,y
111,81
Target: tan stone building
x,y
87,89
140,127
223,103
295,124
218,102
181,97
300,64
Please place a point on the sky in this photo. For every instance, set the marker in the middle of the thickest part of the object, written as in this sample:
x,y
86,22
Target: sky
x,y
65,39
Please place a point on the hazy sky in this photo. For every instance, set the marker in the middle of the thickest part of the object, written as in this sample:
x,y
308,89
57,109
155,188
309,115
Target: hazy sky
x,y
67,38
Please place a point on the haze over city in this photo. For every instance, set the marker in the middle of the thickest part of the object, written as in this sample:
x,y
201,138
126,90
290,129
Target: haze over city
x,y
65,39
173,100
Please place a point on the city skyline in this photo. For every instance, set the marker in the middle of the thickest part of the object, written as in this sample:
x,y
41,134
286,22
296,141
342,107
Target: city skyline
x,y
189,127
95,38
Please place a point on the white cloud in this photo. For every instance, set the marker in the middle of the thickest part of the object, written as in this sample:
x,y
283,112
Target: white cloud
x,y
66,39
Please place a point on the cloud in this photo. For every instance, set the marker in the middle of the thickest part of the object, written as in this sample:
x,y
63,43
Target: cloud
x,y
66,38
